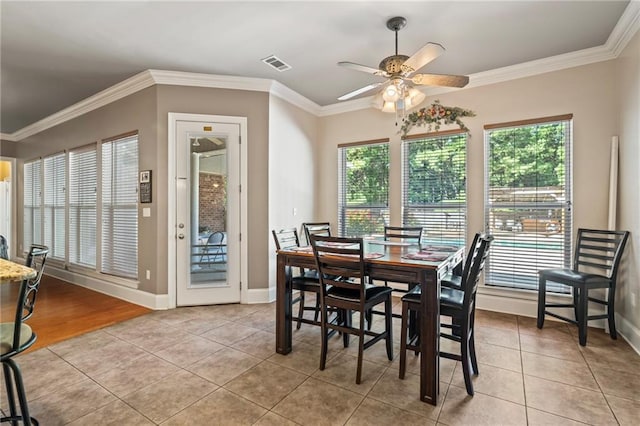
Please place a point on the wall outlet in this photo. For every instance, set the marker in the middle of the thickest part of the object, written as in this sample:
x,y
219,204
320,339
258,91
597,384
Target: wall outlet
x,y
633,300
148,274
295,211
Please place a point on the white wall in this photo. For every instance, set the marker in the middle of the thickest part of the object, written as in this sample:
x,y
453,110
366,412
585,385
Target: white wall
x,y
292,141
587,92
627,77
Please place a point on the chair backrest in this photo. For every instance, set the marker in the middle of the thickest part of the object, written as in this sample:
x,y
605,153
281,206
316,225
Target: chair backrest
x,y
215,238
316,228
599,251
340,264
474,265
4,248
411,233
286,238
36,259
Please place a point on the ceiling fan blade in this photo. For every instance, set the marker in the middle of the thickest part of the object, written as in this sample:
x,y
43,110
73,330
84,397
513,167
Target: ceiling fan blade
x,y
363,68
422,57
359,91
440,80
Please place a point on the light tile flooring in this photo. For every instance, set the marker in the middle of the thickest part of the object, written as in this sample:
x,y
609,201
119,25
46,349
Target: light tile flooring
x,y
217,365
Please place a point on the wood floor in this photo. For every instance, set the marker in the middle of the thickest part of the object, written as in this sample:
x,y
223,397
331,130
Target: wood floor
x,y
65,310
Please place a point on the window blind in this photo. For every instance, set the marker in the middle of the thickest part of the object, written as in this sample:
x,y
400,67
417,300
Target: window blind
x,y
363,188
528,201
82,206
32,204
55,223
434,187
120,207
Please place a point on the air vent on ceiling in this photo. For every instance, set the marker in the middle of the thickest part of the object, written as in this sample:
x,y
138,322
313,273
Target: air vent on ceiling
x,y
276,63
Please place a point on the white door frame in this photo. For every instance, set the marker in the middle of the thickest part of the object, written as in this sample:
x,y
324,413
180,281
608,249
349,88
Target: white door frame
x,y
12,237
172,196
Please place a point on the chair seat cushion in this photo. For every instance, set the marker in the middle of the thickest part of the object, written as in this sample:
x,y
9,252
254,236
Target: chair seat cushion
x,y
452,281
449,297
371,292
305,284
568,276
6,336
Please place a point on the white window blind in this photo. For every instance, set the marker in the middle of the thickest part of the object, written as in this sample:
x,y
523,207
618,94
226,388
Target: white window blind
x,y
363,188
120,207
528,200
55,223
82,206
434,187
32,204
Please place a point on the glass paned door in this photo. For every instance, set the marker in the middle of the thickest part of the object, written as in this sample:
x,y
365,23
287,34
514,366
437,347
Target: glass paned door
x,y
208,205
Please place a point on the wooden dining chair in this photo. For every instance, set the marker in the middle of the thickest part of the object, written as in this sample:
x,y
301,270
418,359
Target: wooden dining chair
x,y
316,228
305,281
460,306
344,286
595,265
17,336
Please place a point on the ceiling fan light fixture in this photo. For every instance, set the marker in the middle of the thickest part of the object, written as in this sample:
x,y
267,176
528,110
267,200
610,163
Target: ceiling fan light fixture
x,y
391,93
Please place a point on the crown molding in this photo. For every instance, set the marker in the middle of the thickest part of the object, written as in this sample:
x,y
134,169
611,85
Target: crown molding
x,y
180,78
280,90
118,91
7,137
625,29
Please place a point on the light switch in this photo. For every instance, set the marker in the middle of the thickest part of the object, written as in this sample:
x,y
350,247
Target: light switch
x,y
146,212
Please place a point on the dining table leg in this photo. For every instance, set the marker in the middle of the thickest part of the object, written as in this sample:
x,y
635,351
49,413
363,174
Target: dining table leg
x,y
429,337
283,307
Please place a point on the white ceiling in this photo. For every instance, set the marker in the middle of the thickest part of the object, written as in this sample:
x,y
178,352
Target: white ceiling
x,y
54,54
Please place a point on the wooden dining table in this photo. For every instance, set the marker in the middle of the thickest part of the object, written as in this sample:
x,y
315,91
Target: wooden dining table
x,y
391,262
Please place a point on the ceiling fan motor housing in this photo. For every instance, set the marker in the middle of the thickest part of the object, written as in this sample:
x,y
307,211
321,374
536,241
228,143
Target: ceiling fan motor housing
x,y
393,64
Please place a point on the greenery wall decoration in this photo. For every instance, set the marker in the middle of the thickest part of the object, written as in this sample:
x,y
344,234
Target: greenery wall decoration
x,y
435,115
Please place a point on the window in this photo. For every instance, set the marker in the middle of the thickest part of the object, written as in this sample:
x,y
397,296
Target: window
x,y
434,187
82,206
363,188
528,200
32,204
54,205
120,207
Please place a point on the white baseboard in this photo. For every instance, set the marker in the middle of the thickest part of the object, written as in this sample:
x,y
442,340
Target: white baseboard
x,y
261,295
629,332
148,300
525,304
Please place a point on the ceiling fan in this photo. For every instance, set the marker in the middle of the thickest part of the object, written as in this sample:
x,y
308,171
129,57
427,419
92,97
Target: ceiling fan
x,y
399,70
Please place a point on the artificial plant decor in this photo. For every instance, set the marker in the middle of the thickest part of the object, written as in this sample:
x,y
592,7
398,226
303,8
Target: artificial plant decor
x,y
435,115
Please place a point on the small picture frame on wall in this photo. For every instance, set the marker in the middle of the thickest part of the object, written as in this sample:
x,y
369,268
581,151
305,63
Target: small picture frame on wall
x,y
145,176
145,186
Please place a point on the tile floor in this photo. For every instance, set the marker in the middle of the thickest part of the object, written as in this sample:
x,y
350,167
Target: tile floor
x,y
217,365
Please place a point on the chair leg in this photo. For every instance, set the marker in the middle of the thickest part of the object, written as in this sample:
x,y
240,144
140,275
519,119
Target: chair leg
x,y
403,340
8,380
583,312
388,318
325,337
542,291
611,312
360,351
22,397
300,309
347,322
472,347
466,361
317,312
576,302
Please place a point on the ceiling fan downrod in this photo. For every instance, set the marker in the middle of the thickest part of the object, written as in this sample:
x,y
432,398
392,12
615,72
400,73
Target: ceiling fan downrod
x,y
396,24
